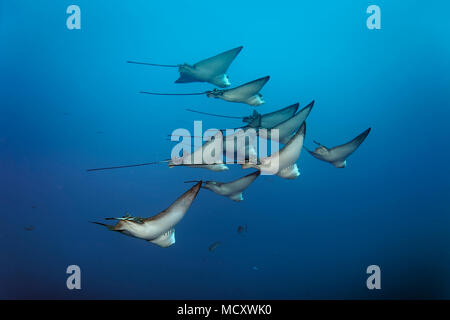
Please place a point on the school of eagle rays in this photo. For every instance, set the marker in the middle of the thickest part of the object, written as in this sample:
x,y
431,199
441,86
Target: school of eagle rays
x,y
291,127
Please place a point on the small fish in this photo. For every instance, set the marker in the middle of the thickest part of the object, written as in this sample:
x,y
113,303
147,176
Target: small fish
x,y
255,268
29,228
212,70
242,229
214,246
247,93
33,207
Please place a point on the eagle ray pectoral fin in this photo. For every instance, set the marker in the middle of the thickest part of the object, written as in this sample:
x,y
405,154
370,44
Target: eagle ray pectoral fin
x,y
285,140
166,239
290,172
185,78
247,165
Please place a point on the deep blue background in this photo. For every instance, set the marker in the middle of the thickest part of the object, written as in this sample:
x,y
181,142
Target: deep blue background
x,y
68,102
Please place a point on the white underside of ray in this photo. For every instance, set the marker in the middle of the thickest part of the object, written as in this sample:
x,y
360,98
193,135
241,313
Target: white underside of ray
x,y
247,93
232,189
197,159
212,70
283,162
159,228
237,197
243,148
166,239
337,155
243,144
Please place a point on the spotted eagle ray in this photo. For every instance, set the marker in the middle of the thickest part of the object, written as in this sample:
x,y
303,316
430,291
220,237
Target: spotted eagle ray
x,y
233,189
212,70
283,162
248,151
271,119
247,93
286,128
337,155
289,127
158,229
188,160
257,120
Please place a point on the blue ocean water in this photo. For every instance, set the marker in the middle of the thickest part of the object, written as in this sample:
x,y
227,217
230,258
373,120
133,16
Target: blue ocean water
x,y
69,102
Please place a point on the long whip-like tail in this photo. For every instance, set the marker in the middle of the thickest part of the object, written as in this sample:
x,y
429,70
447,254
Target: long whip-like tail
x,y
175,94
307,149
128,166
180,135
214,115
155,65
109,227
